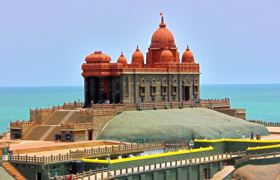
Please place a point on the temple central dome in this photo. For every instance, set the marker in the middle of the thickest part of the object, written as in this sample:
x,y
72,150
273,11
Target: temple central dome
x,y
162,37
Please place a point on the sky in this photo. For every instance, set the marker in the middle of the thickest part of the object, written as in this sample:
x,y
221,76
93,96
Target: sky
x,y
44,43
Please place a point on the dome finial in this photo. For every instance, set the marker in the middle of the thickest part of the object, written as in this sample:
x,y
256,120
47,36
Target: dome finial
x,y
162,24
137,49
188,47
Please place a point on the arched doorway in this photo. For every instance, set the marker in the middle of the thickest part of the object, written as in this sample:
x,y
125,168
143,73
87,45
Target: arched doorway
x,y
186,93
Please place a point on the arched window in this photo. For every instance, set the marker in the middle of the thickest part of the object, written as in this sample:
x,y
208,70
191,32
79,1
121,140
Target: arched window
x,y
153,87
142,87
164,87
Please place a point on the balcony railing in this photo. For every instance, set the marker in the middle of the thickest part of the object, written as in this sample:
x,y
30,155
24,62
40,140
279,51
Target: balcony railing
x,y
21,124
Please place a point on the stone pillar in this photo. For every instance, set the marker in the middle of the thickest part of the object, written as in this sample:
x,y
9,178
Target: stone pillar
x,y
200,172
179,173
110,89
155,175
114,89
101,89
142,177
179,91
211,172
221,165
167,174
135,88
189,172
86,91
129,178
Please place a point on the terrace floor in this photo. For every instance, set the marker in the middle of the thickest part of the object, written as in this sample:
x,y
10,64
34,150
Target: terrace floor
x,y
54,148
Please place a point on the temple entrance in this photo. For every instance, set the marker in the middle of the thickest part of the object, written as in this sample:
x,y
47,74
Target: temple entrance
x,y
186,93
90,132
39,176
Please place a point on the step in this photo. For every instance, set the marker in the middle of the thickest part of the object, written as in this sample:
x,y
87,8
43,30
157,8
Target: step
x,y
223,173
13,171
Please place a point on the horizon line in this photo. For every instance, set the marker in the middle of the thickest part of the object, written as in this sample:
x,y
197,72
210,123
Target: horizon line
x,y
27,86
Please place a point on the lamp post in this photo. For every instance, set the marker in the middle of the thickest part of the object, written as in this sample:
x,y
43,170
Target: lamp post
x,y
220,132
191,144
109,160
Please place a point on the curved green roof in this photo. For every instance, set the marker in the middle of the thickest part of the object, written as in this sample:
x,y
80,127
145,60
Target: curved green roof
x,y
177,124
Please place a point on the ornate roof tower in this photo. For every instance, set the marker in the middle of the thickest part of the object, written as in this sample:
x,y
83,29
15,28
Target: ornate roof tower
x,y
162,39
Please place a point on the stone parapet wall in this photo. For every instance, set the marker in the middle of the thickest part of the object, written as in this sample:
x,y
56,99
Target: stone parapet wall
x,y
21,124
43,114
272,124
92,120
239,113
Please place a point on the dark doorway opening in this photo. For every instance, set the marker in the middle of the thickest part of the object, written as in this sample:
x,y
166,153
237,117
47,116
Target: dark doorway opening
x,y
206,173
186,91
90,132
39,176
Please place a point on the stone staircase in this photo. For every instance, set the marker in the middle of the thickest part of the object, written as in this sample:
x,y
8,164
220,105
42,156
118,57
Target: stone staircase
x,y
56,117
13,171
47,130
222,174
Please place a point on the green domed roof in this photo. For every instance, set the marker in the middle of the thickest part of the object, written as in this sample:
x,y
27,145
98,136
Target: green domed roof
x,y
176,124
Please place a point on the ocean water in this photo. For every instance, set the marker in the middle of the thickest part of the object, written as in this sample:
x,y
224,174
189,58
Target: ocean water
x,y
260,101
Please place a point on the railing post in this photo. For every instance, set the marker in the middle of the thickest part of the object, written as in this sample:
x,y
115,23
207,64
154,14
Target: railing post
x,y
95,176
102,173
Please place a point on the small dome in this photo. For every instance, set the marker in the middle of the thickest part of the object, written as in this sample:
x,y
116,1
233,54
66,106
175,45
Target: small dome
x,y
122,59
166,56
98,57
137,57
162,37
187,56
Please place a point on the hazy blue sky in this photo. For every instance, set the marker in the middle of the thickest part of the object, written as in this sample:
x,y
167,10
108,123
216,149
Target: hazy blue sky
x,y
45,42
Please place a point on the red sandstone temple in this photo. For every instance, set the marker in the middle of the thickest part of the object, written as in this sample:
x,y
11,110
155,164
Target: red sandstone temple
x,y
163,77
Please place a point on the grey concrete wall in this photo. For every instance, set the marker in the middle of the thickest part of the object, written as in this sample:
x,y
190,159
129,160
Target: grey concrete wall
x,y
31,170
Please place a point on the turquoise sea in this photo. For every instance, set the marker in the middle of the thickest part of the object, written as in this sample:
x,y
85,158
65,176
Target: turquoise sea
x,y
261,101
